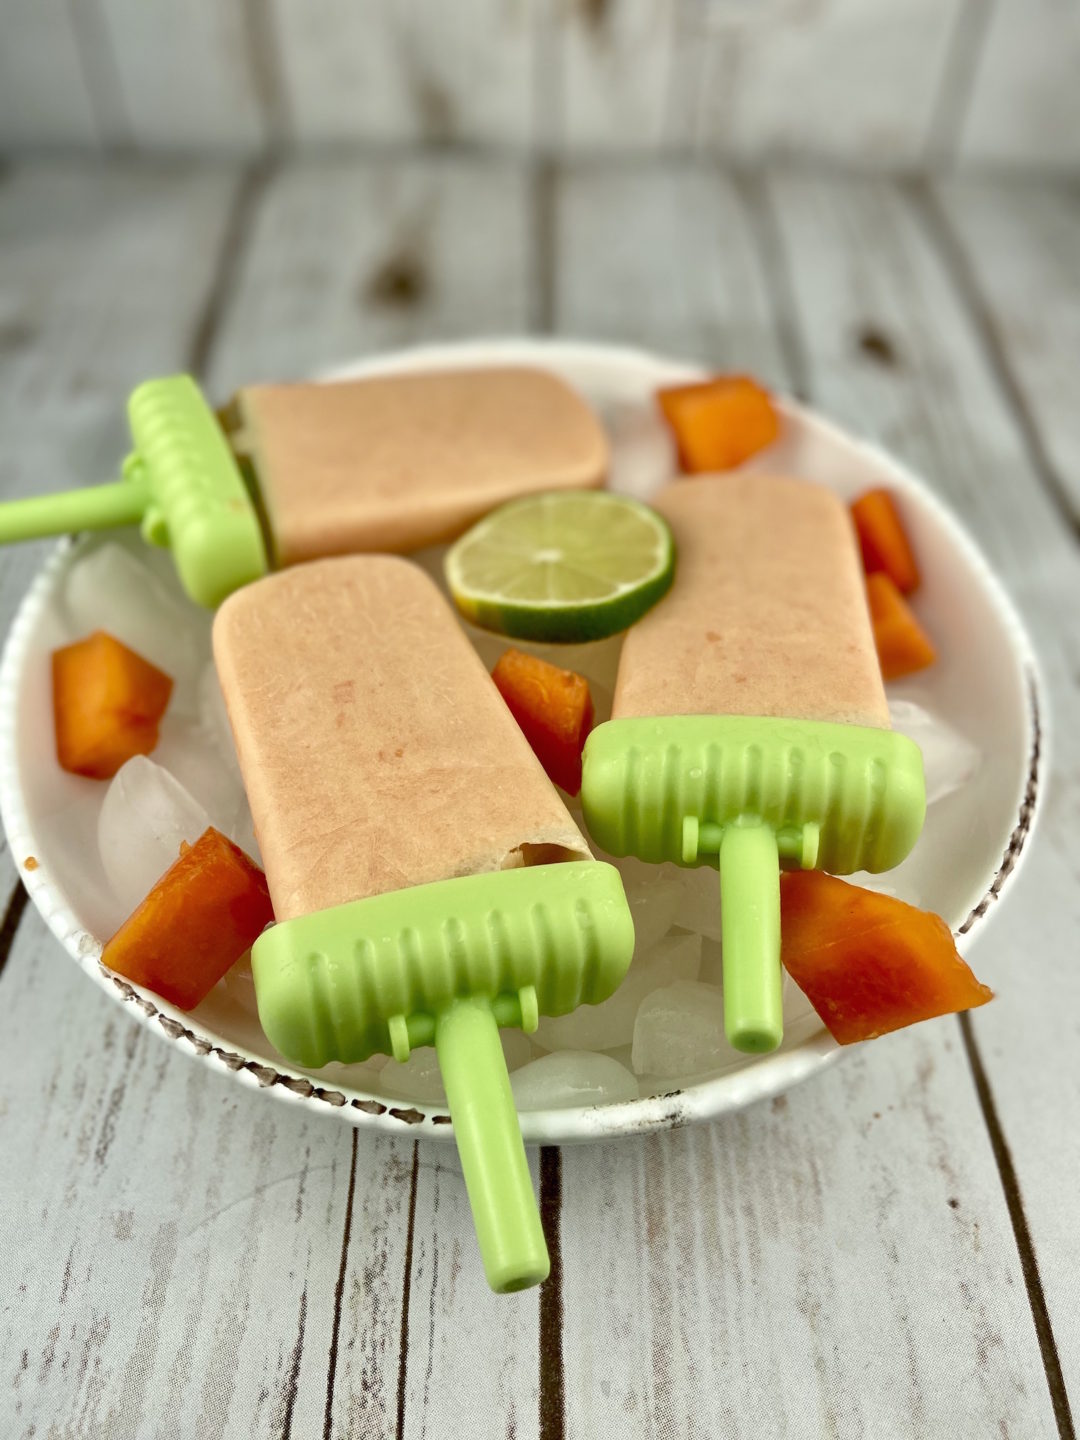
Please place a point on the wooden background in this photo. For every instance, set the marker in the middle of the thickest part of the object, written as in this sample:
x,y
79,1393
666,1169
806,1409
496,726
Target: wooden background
x,y
888,1251
877,83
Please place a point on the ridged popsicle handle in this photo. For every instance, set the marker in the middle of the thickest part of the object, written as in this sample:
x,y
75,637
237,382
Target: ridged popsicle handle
x,y
489,1142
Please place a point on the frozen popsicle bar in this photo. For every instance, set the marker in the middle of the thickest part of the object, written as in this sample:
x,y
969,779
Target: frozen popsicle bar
x,y
298,472
750,724
394,463
428,883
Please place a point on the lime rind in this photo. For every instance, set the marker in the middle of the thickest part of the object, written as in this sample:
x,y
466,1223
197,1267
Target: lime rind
x,y
611,559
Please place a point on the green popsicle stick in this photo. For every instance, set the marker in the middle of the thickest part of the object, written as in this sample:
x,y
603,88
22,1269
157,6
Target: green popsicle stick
x,y
181,484
747,794
446,964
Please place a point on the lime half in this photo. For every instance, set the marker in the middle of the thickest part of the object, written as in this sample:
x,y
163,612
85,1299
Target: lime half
x,y
566,567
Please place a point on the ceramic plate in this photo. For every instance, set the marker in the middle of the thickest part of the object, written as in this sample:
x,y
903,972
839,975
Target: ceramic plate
x,y
985,685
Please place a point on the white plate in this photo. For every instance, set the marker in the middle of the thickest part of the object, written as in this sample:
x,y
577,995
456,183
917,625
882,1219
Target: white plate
x,y
985,683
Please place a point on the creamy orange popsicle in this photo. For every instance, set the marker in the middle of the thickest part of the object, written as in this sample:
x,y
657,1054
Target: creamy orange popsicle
x,y
414,851
376,752
768,614
393,463
750,724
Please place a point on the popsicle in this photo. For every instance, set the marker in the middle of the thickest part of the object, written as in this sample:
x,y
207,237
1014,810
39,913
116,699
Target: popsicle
x,y
298,472
428,883
396,462
750,726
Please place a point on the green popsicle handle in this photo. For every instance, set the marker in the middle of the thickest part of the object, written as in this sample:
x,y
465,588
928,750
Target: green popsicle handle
x,y
750,927
96,508
489,1142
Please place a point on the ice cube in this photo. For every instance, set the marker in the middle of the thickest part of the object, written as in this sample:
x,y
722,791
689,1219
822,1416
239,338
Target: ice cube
x,y
214,719
111,589
949,758
190,756
611,1023
419,1078
712,963
653,893
571,1078
698,905
679,1030
797,1007
642,451
241,831
239,984
517,1049
145,816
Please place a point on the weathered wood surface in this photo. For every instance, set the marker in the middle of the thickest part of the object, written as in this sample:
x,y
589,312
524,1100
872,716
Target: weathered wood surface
x,y
887,1250
105,279
897,83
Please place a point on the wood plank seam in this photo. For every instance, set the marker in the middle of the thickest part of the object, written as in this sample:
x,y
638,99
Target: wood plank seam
x,y
543,198
779,290
1029,1264
263,47
406,1290
249,191
292,1380
952,103
552,1381
339,1292
957,264
101,75
9,926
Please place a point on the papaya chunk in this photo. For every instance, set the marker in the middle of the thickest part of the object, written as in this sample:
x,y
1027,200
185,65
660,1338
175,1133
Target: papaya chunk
x,y
883,540
107,705
554,710
719,423
903,646
869,963
208,908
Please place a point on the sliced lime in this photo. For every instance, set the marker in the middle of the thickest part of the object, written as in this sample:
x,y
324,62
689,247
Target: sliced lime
x,y
565,567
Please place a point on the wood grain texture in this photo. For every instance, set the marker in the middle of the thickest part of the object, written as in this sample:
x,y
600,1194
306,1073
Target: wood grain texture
x,y
182,1240
1018,248
44,96
637,262
472,1362
626,76
203,1261
818,1209
887,84
186,75
838,79
862,254
413,70
1025,104
353,256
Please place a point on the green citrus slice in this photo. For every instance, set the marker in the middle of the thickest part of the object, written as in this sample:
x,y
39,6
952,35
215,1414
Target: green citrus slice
x,y
563,567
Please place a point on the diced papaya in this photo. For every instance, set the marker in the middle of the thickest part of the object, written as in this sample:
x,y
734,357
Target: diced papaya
x,y
554,709
903,646
209,907
883,540
869,963
107,705
719,423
